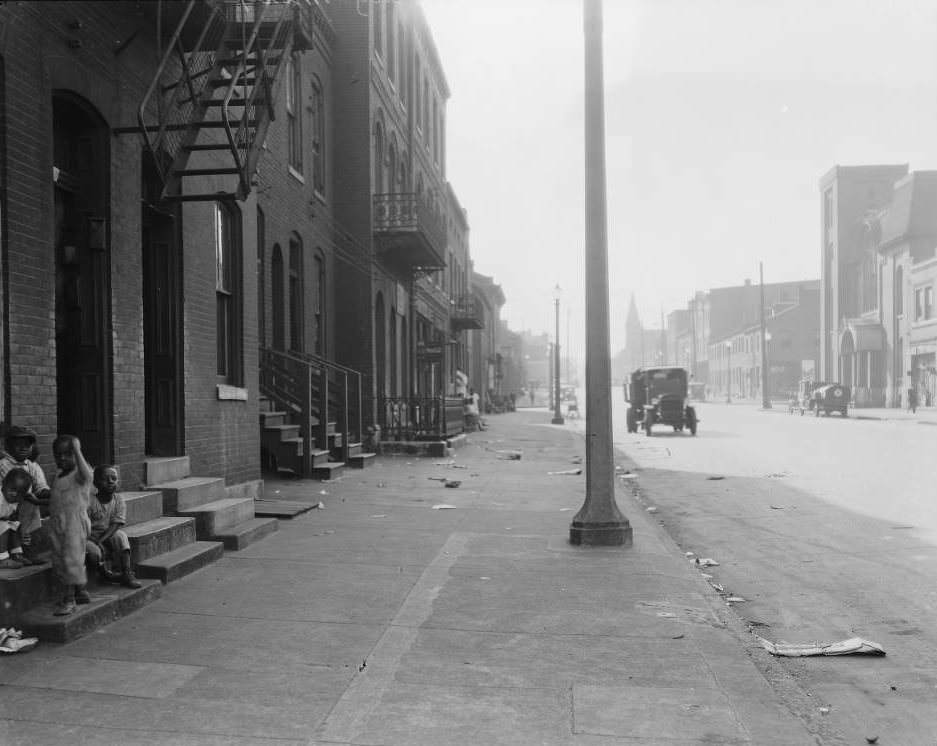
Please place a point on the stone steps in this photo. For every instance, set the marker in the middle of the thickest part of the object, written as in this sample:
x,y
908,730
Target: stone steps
x,y
177,563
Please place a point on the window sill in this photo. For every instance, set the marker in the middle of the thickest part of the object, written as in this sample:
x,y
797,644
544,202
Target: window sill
x,y
227,392
296,175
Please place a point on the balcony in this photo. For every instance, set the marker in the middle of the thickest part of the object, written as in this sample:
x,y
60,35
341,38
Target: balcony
x,y
466,313
407,232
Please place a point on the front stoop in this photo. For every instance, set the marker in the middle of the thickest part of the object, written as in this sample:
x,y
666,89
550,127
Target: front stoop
x,y
280,508
328,470
108,603
246,533
177,563
217,516
20,589
189,492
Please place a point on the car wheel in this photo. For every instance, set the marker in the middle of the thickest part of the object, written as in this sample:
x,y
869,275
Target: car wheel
x,y
816,410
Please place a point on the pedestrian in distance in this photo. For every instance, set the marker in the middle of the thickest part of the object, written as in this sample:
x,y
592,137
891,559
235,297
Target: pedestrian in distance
x,y
912,400
21,453
69,524
108,546
16,485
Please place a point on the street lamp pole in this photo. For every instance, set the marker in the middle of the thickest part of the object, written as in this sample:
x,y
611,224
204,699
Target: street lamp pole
x,y
599,522
557,414
765,397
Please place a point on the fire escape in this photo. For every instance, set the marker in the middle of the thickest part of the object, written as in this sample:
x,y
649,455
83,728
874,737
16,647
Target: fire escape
x,y
206,112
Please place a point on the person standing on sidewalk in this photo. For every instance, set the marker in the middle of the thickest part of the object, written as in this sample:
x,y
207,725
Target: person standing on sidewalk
x,y
912,400
69,523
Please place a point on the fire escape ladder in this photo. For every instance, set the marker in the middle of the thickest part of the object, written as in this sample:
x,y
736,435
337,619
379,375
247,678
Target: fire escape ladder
x,y
213,96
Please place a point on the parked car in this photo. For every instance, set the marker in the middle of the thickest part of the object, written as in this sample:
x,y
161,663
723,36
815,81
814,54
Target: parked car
x,y
802,399
658,396
833,397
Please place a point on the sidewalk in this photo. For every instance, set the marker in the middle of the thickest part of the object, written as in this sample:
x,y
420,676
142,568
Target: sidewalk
x,y
382,619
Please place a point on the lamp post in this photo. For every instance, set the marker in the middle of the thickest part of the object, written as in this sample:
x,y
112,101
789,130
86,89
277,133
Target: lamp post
x,y
599,521
728,372
557,414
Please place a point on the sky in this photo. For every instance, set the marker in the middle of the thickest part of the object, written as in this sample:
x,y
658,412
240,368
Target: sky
x,y
721,118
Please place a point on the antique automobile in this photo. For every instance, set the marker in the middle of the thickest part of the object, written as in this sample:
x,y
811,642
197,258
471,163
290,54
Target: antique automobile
x,y
802,399
830,397
658,396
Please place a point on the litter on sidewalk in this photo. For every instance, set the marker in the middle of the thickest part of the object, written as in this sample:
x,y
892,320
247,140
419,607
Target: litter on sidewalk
x,y
509,455
706,562
12,641
852,646
443,506
563,472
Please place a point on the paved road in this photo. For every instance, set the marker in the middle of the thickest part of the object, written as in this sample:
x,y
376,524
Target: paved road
x,y
882,469
827,528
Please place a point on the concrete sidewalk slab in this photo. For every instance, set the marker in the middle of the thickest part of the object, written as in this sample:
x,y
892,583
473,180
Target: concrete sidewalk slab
x,y
380,621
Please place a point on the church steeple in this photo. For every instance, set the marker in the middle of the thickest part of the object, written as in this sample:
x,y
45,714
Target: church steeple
x,y
633,322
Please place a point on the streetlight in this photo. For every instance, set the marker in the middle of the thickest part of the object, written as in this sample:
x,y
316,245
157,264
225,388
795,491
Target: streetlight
x,y
557,415
728,372
599,521
765,380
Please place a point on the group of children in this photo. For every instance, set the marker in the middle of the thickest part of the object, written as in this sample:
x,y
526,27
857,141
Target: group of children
x,y
84,526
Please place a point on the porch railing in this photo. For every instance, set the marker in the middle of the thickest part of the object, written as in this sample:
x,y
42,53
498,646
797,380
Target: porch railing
x,y
322,396
420,418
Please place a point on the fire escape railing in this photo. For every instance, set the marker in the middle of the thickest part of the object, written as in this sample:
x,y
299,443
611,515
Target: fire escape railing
x,y
317,393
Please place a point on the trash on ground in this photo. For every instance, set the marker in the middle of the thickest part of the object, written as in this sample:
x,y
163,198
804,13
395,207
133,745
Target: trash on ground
x,y
689,554
319,506
443,463
776,476
735,600
443,506
715,478
775,507
852,646
438,479
451,483
628,475
706,575
323,492
459,466
677,637
706,562
718,586
667,614
563,510
825,710
380,515
12,641
871,739
651,509
381,484
564,471
509,455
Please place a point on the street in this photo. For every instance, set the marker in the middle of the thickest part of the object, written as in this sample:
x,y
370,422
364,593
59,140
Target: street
x,y
827,529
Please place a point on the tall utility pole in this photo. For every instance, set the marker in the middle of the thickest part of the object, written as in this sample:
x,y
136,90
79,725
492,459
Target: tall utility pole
x,y
599,522
557,414
765,398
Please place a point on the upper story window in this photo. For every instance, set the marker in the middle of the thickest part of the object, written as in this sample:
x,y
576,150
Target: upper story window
x,y
377,11
417,77
425,109
228,298
378,159
294,117
391,44
924,303
318,137
899,291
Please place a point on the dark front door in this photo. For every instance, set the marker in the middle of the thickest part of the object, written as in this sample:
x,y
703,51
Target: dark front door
x,y
162,316
82,273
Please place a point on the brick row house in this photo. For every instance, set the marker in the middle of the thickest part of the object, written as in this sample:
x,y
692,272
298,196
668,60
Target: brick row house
x,y
879,250
227,243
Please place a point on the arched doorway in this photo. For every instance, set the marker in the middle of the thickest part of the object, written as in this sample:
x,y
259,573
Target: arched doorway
x,y
162,317
380,347
81,163
278,299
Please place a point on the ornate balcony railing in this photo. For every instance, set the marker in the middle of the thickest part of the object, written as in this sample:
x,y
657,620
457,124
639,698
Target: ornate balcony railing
x,y
408,232
420,418
467,312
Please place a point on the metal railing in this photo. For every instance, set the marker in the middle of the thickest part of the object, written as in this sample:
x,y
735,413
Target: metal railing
x,y
408,212
324,397
420,418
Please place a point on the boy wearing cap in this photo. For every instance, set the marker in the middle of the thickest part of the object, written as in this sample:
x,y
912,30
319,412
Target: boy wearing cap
x,y
20,445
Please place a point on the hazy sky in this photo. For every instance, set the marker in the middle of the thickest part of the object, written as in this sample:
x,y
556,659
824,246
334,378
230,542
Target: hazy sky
x,y
721,117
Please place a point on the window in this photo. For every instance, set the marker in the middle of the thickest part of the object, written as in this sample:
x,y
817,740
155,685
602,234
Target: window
x,y
261,278
294,117
377,11
278,298
391,44
918,304
319,306
928,301
228,292
318,138
899,291
378,159
425,109
296,294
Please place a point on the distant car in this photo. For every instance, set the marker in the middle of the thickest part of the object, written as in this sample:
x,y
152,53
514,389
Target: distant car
x,y
658,396
831,397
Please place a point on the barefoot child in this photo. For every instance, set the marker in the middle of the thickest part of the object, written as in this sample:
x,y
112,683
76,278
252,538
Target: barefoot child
x,y
16,485
68,521
107,541
20,445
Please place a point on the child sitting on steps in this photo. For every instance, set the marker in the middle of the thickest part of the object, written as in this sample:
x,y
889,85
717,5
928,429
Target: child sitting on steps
x,y
108,513
16,486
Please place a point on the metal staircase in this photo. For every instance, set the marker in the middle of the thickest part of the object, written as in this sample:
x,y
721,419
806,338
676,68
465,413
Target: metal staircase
x,y
205,114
